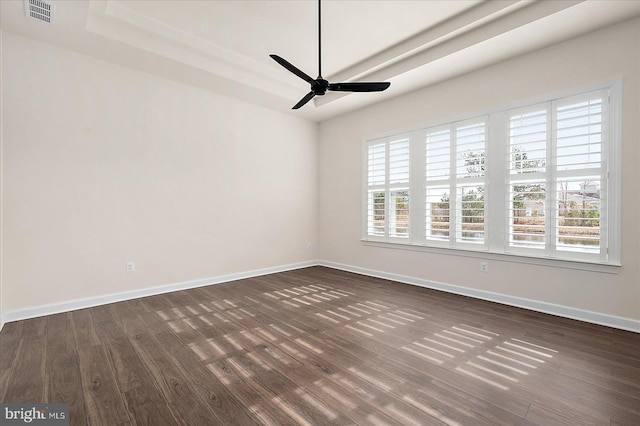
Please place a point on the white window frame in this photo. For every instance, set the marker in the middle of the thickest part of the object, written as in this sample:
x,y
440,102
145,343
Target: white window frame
x,y
552,176
497,148
387,187
454,182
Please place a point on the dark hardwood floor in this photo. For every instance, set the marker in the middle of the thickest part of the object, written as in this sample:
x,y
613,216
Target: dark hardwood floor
x,y
319,346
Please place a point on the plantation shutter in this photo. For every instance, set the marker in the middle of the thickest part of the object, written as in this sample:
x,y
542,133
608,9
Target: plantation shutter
x,y
470,182
580,124
455,183
540,181
527,165
376,179
556,173
388,174
399,188
438,184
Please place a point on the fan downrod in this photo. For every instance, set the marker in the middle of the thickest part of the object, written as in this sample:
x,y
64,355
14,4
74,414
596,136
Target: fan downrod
x,y
319,86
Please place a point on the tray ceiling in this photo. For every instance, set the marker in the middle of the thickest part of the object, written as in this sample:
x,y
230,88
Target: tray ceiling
x,y
223,46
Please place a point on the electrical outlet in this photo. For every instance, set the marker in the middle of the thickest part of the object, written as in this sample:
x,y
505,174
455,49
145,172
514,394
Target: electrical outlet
x,y
309,246
484,267
131,266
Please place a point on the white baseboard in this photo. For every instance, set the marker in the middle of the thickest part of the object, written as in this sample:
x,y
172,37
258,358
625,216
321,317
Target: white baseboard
x,y
628,324
56,308
623,323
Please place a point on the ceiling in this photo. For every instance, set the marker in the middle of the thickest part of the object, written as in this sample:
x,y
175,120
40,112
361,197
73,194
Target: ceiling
x,y
223,46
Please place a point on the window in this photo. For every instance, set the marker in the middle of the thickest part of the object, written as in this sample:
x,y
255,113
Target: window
x,y
539,180
559,208
388,188
527,191
455,170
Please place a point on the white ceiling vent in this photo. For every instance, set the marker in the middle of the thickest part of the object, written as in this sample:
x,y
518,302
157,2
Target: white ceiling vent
x,y
40,10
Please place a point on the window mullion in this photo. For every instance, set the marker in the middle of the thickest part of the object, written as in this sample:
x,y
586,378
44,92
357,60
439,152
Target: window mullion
x,y
387,191
496,182
605,179
453,203
365,194
417,211
551,183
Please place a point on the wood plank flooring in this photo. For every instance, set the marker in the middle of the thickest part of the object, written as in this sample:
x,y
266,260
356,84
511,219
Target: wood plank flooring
x,y
319,346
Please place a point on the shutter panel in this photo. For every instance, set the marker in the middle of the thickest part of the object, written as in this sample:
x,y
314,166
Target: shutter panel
x,y
579,136
470,182
399,188
527,158
438,190
388,175
376,177
376,164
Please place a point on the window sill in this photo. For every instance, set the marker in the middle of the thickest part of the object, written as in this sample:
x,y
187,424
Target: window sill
x,y
607,268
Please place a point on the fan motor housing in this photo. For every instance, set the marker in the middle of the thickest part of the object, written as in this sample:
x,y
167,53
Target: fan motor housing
x,y
319,86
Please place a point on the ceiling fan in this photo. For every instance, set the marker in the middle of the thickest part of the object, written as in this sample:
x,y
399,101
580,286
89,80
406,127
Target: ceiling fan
x,y
319,86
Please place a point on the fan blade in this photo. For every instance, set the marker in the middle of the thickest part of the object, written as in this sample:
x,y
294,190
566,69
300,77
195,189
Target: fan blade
x,y
292,68
304,100
359,87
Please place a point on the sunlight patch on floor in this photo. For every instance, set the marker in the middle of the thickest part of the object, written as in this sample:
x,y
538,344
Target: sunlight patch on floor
x,y
430,411
290,412
403,417
331,415
350,327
